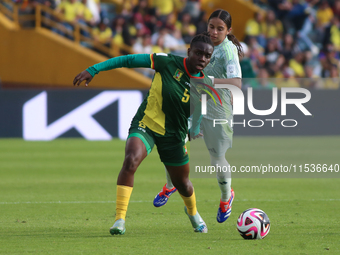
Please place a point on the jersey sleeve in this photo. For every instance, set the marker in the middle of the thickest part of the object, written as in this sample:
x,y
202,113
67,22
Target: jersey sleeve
x,y
159,61
232,62
130,61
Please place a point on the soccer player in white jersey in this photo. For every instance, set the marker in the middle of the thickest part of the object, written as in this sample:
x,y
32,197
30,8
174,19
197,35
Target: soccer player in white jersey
x,y
225,68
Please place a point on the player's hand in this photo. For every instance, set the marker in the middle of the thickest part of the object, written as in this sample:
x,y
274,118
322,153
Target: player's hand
x,y
83,76
194,137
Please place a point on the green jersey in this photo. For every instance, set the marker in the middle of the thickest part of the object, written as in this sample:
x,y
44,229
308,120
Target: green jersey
x,y
166,108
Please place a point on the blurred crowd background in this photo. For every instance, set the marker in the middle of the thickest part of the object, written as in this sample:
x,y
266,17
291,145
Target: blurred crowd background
x,y
289,39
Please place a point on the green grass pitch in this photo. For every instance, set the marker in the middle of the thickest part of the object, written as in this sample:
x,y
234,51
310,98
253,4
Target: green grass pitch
x,y
58,198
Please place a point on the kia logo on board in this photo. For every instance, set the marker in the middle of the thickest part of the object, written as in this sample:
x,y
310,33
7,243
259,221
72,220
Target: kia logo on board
x,y
35,125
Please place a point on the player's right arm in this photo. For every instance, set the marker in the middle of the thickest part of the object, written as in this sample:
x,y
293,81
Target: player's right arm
x,y
129,61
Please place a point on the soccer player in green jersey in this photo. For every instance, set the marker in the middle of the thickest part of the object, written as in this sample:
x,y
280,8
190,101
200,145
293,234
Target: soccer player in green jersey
x,y
161,119
225,68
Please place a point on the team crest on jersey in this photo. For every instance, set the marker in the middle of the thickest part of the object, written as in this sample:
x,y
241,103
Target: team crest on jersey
x,y
178,74
185,151
231,69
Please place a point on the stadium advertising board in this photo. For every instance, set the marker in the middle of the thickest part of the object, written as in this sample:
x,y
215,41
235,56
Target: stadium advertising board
x,y
43,115
104,114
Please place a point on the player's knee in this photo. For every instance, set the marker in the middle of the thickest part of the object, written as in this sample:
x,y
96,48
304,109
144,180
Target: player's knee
x,y
131,162
184,187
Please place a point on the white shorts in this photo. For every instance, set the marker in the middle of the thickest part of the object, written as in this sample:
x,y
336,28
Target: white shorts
x,y
216,138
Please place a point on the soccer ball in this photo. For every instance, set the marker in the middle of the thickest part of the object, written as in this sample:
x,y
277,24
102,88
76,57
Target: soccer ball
x,y
253,224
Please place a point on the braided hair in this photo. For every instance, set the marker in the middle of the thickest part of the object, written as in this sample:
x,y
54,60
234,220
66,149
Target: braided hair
x,y
226,18
203,37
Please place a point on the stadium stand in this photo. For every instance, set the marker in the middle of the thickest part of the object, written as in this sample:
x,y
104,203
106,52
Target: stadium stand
x,y
306,45
284,39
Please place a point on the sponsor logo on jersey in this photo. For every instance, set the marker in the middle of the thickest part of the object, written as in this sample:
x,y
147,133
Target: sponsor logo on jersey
x,y
178,74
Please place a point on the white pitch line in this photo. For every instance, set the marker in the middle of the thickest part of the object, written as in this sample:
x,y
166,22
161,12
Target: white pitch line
x,y
149,201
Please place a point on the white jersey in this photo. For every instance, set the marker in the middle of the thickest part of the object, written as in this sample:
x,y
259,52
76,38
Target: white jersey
x,y
224,64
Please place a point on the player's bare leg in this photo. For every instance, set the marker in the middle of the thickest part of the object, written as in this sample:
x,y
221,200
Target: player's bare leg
x,y
180,179
135,153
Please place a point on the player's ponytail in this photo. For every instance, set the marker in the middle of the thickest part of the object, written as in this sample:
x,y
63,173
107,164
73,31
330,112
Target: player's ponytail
x,y
236,42
226,18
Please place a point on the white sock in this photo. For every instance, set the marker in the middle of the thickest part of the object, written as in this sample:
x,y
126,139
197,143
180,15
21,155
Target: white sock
x,y
225,187
223,178
169,184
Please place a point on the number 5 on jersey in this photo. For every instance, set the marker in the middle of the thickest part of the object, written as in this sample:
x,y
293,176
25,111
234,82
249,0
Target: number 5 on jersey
x,y
186,97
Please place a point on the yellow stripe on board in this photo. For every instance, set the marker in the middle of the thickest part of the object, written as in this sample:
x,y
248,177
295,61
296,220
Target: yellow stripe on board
x,y
154,117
